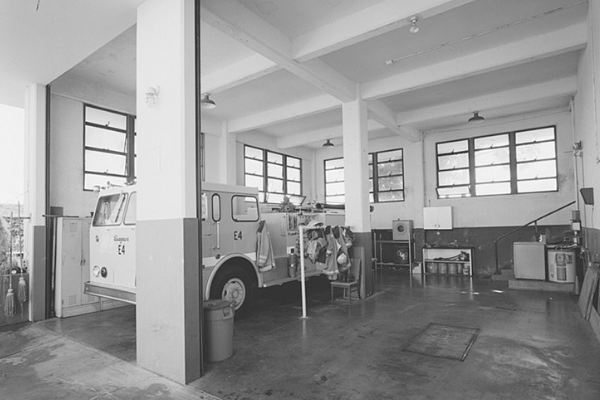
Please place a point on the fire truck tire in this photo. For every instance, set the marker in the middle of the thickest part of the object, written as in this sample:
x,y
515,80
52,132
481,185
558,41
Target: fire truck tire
x,y
234,284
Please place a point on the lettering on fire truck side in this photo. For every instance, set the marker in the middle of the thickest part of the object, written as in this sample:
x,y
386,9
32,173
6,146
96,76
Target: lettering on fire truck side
x,y
237,235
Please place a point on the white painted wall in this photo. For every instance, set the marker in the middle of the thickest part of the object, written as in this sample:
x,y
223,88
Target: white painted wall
x,y
66,140
509,210
587,115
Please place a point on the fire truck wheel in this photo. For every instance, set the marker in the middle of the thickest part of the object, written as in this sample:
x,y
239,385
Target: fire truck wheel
x,y
233,284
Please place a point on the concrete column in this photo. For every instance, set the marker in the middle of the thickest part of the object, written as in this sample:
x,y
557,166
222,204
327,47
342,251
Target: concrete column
x,y
356,173
167,248
227,159
35,198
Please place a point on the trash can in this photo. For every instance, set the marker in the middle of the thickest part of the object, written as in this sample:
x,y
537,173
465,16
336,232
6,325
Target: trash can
x,y
218,330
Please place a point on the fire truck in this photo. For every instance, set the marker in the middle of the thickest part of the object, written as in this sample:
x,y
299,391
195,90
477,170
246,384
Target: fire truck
x,y
233,225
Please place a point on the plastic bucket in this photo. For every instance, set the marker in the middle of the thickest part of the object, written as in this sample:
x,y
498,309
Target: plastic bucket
x,y
443,268
218,330
452,268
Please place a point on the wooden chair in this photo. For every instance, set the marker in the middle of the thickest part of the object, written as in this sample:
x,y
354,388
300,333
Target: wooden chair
x,y
352,285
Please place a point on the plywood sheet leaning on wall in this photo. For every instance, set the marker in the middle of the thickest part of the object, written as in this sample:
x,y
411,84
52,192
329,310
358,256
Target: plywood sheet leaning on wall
x,y
589,288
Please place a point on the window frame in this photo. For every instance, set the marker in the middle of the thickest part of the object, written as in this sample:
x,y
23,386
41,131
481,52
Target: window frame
x,y
265,177
128,153
373,179
513,164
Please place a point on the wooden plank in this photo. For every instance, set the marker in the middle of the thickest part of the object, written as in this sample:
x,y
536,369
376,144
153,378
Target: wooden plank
x,y
589,287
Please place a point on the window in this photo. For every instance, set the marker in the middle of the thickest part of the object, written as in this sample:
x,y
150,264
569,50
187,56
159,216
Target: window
x,y
244,208
110,210
386,178
334,181
507,163
275,175
109,154
131,214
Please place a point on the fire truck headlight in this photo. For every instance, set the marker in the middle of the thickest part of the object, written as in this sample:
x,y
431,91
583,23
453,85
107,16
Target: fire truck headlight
x,y
104,272
96,270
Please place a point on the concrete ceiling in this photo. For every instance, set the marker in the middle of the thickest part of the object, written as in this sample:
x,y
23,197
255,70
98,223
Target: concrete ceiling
x,y
502,58
283,68
41,40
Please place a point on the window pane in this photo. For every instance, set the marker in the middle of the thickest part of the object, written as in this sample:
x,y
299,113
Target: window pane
x,y
491,141
274,158
275,170
252,152
244,208
392,155
492,156
216,207
394,183
334,163
371,171
538,169
537,151
130,214
107,163
294,188
253,166
456,177
255,181
293,162
333,189
391,196
371,198
105,139
536,135
293,174
453,161
91,180
492,188
539,185
105,118
110,209
389,168
275,185
371,185
334,175
457,191
370,158
340,199
453,147
274,198
492,174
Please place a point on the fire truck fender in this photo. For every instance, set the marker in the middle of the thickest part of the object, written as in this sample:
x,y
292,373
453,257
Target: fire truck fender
x,y
229,261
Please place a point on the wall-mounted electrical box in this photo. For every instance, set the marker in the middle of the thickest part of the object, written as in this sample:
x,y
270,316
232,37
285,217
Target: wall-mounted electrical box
x,y
437,218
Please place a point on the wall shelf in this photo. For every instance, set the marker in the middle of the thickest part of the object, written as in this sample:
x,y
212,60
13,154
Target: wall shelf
x,y
448,261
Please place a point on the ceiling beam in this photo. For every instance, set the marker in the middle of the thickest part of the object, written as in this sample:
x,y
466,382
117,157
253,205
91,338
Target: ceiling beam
x,y
536,47
318,135
540,91
241,24
381,113
236,74
366,24
285,113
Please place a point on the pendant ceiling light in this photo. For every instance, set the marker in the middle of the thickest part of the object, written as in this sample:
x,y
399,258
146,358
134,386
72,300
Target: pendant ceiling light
x,y
207,103
414,28
476,118
328,143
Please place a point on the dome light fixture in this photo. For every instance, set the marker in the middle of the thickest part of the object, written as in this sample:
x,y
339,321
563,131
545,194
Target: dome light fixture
x,y
207,103
476,118
414,28
328,143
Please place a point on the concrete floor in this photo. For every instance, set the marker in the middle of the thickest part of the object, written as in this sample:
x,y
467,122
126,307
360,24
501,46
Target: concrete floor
x,y
532,345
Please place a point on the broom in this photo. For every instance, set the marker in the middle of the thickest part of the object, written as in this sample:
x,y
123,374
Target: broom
x,y
22,287
9,304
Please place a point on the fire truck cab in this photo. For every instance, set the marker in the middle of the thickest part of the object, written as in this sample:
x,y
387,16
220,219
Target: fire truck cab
x,y
231,218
